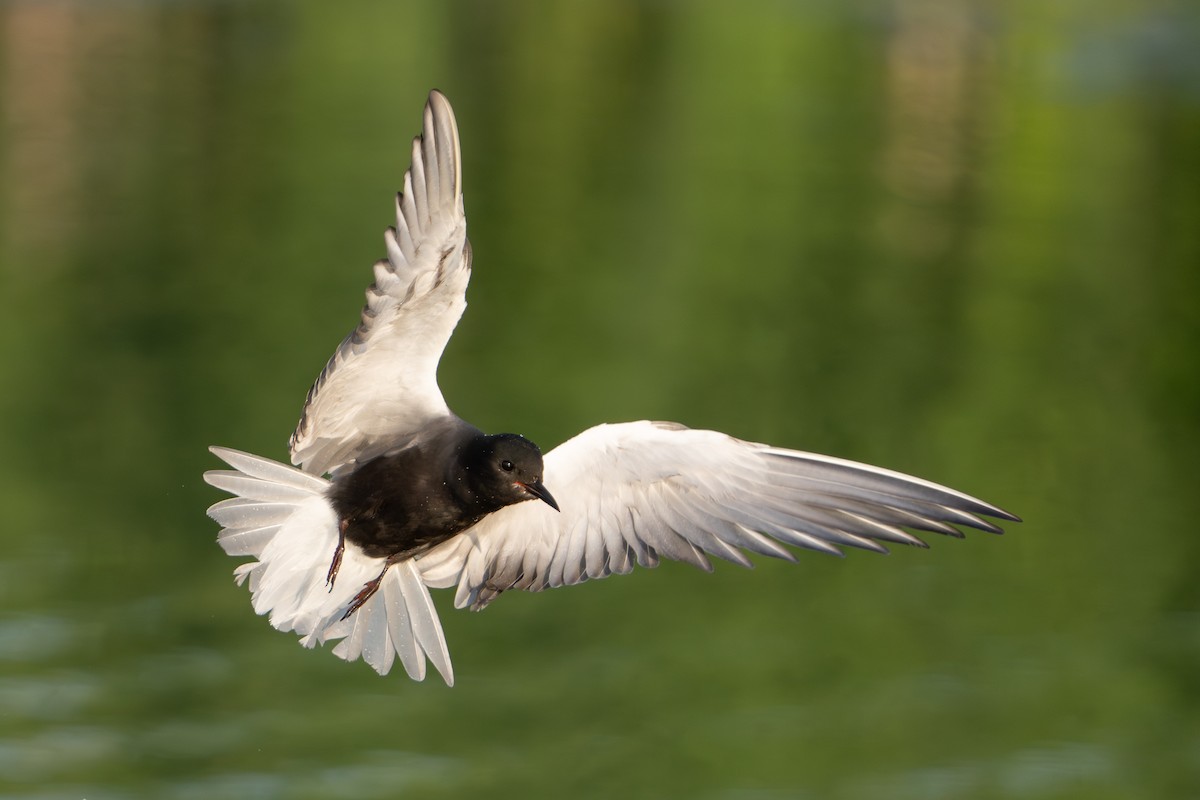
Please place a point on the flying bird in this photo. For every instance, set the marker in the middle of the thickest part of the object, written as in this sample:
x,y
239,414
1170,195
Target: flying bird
x,y
417,498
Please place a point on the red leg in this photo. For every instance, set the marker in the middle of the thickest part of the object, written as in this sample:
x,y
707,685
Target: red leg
x,y
364,594
331,576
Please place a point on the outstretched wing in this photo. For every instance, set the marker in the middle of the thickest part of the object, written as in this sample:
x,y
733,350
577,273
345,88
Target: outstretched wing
x,y
381,384
635,492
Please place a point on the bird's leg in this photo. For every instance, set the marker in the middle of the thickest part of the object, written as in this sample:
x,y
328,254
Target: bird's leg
x,y
331,576
365,594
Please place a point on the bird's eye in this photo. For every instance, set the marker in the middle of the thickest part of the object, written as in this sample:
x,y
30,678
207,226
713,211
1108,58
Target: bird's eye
x,y
506,465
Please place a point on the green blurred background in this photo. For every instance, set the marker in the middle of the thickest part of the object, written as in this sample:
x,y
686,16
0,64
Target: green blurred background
x,y
956,239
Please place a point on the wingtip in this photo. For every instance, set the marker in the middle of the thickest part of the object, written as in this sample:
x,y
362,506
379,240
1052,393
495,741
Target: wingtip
x,y
983,508
1007,515
439,105
986,525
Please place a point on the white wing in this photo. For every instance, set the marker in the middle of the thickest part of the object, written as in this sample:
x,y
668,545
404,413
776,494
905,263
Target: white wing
x,y
635,492
381,384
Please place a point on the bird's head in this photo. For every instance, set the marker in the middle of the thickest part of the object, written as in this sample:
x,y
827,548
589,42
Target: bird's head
x,y
507,468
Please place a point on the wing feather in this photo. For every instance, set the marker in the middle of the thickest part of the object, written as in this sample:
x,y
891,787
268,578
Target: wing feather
x,y
631,493
380,385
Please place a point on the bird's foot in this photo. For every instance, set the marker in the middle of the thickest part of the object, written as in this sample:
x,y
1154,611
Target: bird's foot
x,y
331,576
366,593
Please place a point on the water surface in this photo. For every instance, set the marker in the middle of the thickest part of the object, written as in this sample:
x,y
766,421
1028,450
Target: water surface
x,y
957,240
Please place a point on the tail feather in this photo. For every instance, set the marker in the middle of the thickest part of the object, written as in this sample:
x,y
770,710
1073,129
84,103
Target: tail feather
x,y
282,517
256,488
237,512
369,639
268,470
401,631
400,620
246,541
424,618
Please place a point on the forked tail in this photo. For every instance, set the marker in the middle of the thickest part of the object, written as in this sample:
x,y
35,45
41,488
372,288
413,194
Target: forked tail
x,y
281,517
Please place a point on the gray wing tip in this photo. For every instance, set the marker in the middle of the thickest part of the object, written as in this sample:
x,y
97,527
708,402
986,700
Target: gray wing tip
x,y
1000,513
989,510
439,105
931,492
974,505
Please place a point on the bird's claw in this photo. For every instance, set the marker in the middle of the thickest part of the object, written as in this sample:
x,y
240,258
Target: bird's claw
x,y
338,552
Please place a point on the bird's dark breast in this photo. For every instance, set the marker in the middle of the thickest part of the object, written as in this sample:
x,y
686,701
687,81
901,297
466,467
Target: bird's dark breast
x,y
394,507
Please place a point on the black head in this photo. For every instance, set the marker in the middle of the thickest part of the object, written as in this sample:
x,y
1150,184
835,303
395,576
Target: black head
x,y
506,469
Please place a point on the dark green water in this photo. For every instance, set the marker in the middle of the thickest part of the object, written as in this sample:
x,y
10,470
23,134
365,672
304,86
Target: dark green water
x,y
960,240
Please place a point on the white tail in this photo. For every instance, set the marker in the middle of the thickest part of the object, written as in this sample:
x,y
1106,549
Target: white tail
x,y
281,516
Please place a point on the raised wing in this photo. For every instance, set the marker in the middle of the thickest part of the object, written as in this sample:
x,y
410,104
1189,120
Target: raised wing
x,y
381,384
635,492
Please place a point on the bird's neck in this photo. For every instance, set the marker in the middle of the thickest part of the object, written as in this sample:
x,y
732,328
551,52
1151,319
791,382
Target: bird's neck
x,y
465,479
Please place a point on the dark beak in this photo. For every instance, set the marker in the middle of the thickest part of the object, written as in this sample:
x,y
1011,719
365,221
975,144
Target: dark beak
x,y
541,493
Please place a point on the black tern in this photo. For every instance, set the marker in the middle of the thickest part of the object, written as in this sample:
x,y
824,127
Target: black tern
x,y
417,498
